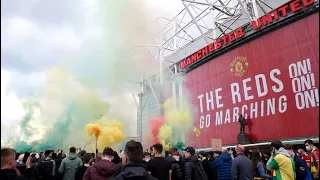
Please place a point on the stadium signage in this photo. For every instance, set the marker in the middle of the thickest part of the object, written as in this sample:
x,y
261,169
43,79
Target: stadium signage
x,y
283,11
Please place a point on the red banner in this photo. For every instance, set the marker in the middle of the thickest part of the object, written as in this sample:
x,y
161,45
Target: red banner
x,y
273,81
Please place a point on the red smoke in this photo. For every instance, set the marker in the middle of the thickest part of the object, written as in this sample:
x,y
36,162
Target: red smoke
x,y
155,125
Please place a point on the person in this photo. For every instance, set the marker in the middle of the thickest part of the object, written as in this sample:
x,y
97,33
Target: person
x,y
87,157
242,167
176,166
98,157
258,166
193,169
158,166
280,162
70,164
305,156
146,156
104,169
206,164
46,168
8,164
314,157
116,158
301,168
134,167
222,165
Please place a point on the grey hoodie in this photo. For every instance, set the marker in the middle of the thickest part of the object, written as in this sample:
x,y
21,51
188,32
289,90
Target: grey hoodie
x,y
280,151
69,166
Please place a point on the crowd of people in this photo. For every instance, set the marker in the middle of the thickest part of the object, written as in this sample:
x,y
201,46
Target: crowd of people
x,y
284,163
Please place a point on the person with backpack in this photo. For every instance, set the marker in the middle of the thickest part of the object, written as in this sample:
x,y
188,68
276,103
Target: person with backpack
x,y
193,169
70,164
46,168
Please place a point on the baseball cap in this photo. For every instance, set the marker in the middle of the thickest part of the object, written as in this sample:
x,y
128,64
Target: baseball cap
x,y
191,150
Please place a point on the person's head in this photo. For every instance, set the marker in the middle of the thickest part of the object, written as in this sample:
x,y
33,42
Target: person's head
x,y
302,149
202,154
8,158
72,150
20,159
48,153
289,148
116,158
189,151
157,149
93,155
133,152
87,157
108,154
172,150
146,156
309,144
275,146
98,157
176,156
240,149
54,156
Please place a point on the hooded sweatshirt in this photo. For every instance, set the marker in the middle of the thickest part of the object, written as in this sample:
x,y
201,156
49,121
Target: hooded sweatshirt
x,y
223,166
69,166
283,165
102,170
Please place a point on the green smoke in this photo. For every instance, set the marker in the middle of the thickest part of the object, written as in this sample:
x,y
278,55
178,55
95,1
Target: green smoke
x,y
22,147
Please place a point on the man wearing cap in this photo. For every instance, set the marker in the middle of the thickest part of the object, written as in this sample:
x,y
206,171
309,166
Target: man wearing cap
x,y
193,169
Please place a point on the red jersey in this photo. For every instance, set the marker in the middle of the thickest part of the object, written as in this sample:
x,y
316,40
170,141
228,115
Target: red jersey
x,y
306,157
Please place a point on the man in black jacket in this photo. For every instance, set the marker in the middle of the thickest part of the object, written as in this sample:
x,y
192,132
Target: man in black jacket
x,y
8,166
134,167
193,169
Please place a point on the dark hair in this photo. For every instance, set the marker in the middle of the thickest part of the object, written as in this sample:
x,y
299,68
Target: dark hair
x,y
309,141
175,153
108,152
87,157
25,157
158,147
302,147
172,150
82,152
93,155
134,151
116,158
72,150
204,154
166,153
17,155
288,147
277,144
54,156
146,154
7,154
255,158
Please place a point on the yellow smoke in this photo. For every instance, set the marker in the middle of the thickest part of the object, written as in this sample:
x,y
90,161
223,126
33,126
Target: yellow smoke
x,y
179,118
94,129
111,133
177,122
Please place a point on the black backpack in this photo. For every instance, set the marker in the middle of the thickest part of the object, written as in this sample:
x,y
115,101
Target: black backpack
x,y
200,174
44,169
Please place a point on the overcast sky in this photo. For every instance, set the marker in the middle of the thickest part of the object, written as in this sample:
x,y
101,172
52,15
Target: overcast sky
x,y
34,33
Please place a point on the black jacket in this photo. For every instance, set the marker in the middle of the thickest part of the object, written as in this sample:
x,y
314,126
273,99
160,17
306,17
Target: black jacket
x,y
10,174
176,167
133,171
189,168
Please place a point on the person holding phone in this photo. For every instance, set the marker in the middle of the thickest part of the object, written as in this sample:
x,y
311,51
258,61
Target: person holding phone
x,y
281,162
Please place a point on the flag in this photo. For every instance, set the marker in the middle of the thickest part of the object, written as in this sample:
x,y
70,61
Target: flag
x,y
196,131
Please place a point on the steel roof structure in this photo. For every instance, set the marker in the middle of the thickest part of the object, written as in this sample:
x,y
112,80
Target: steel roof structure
x,y
198,24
